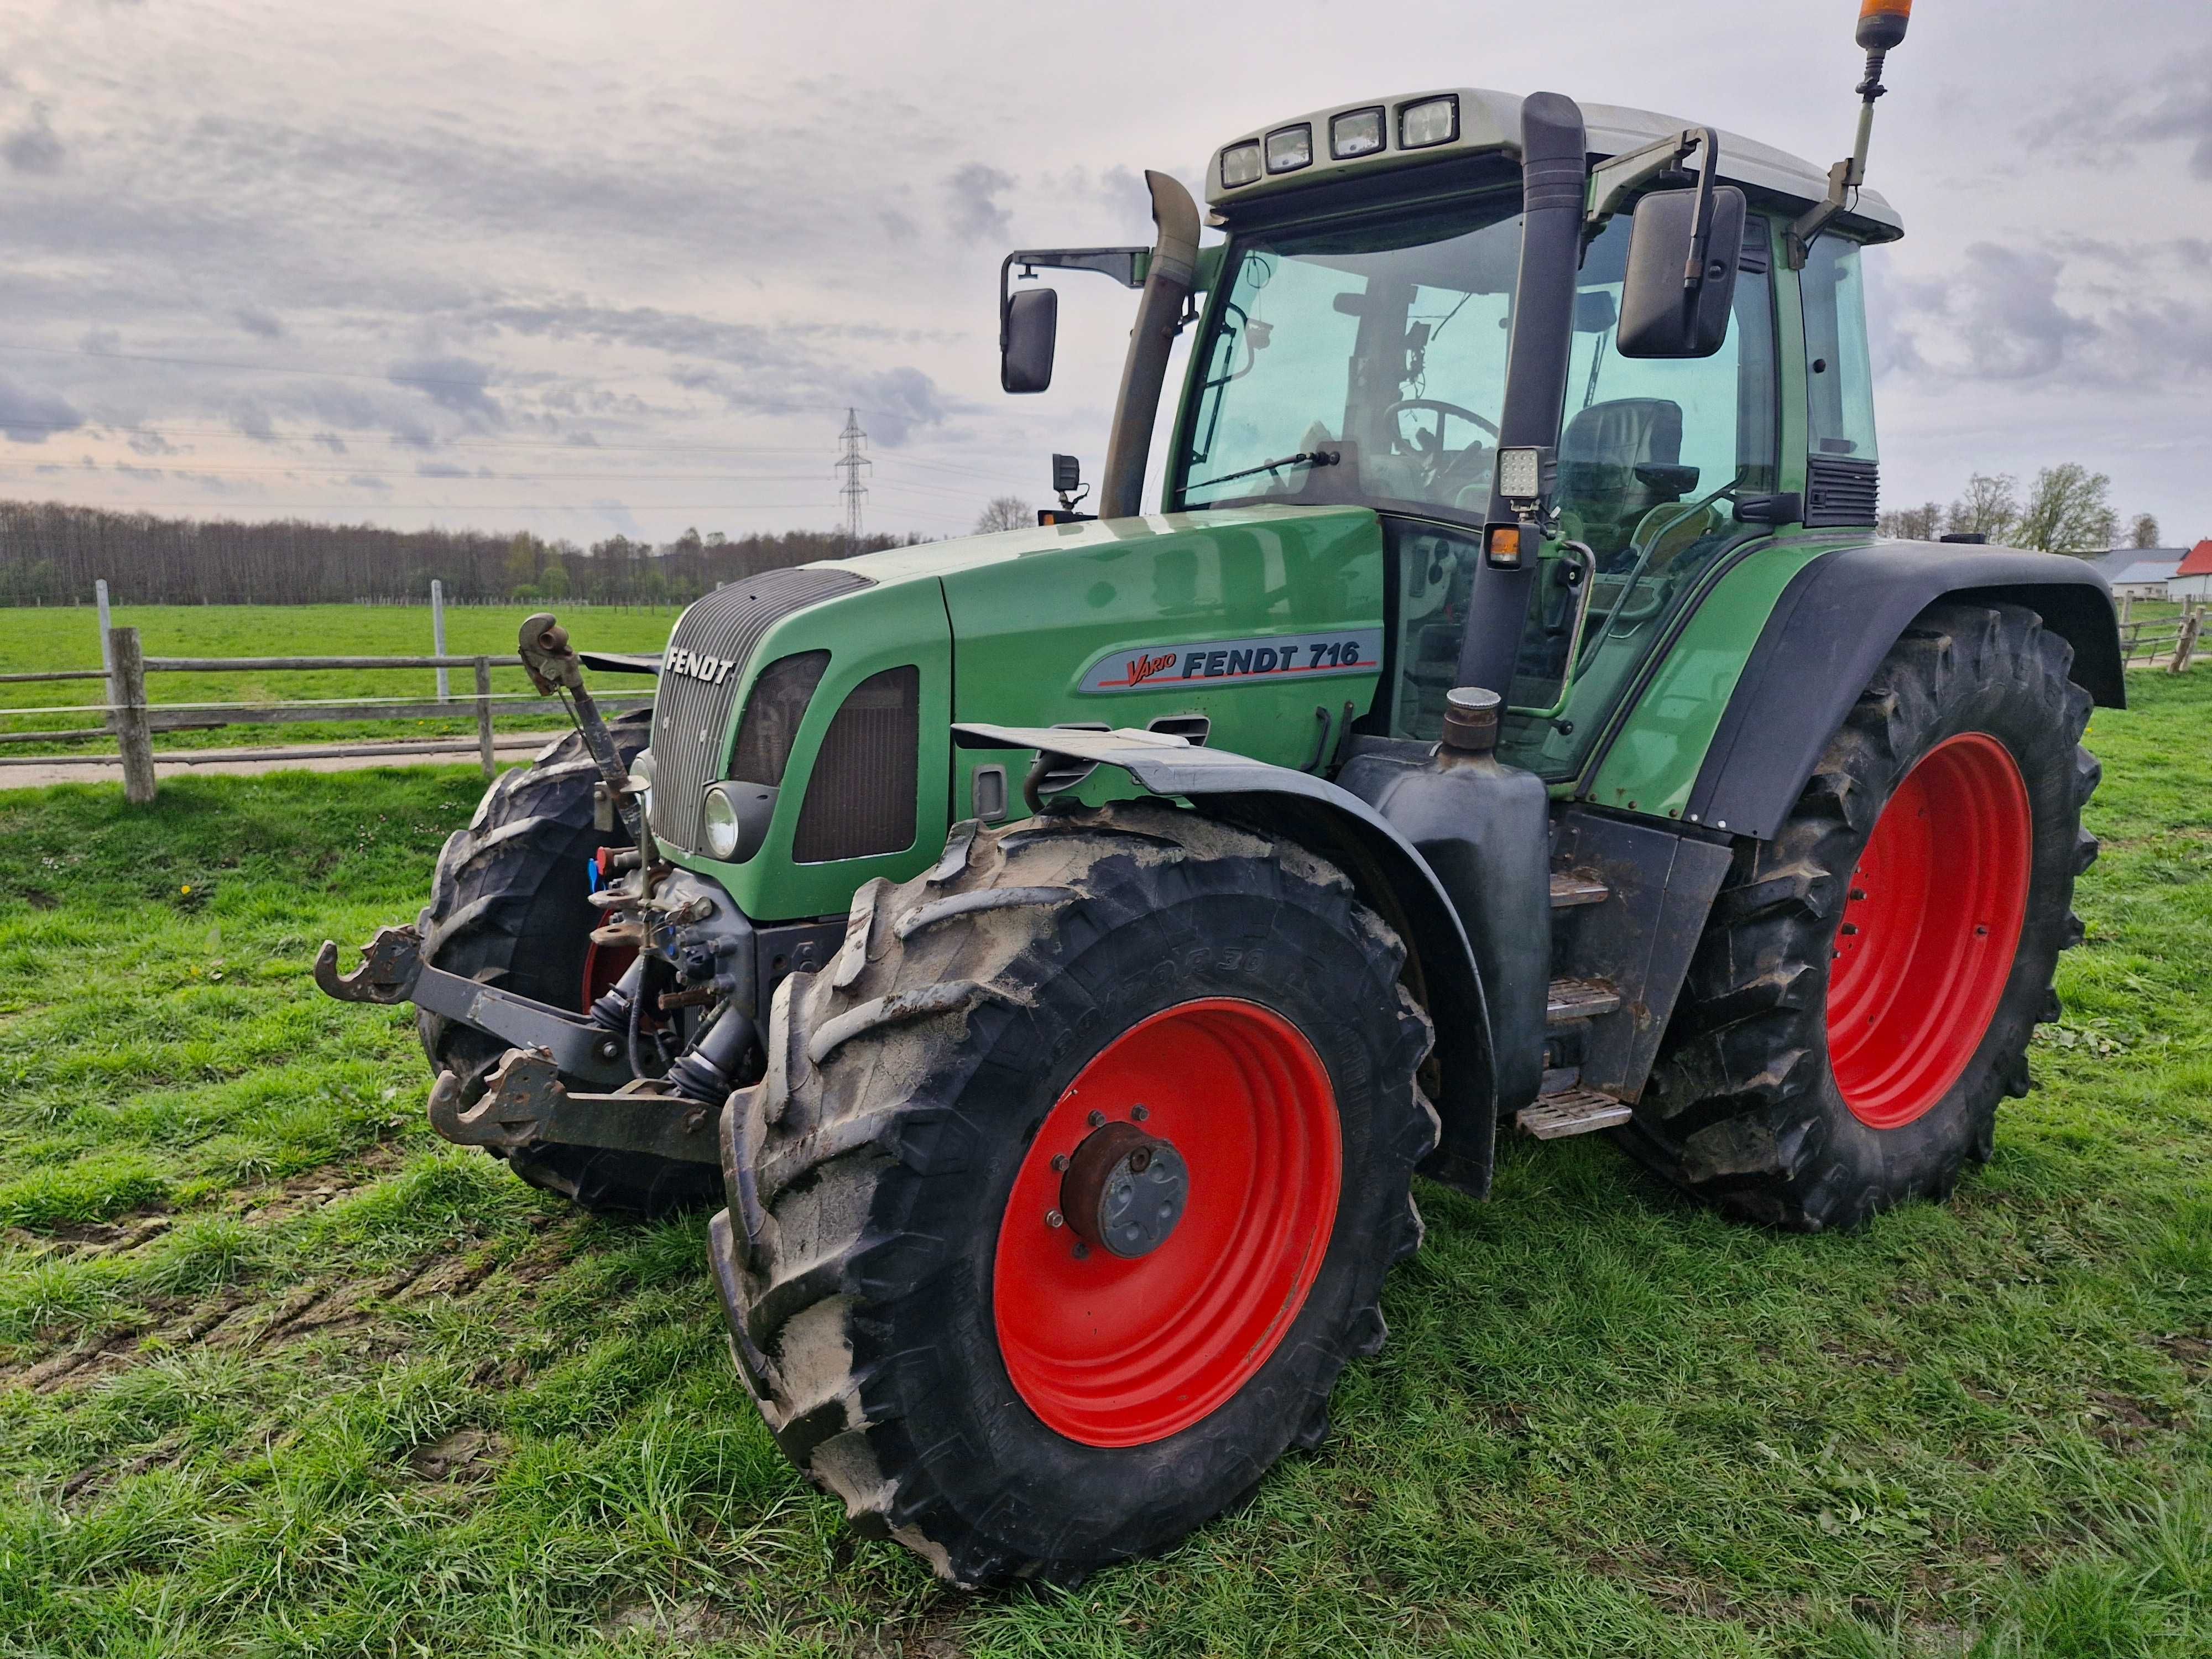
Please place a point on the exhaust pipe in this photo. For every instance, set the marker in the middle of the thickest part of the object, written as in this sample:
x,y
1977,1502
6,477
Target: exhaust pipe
x,y
1555,176
1159,317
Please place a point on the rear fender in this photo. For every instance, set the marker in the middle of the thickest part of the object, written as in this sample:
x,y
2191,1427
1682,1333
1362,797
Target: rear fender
x,y
1390,875
1832,627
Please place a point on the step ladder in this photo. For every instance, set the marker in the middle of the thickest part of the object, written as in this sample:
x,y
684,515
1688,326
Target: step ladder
x,y
1565,1108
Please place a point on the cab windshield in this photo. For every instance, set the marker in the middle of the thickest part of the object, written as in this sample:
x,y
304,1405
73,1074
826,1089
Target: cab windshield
x,y
1359,363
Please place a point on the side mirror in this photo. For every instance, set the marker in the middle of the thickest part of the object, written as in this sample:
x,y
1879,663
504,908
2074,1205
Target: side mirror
x,y
1026,333
1666,311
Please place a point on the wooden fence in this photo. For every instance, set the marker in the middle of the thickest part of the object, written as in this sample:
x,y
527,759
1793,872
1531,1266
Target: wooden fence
x,y
130,721
2173,638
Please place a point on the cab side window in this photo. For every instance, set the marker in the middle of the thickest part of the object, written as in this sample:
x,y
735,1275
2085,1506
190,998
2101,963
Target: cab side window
x,y
1842,473
1654,455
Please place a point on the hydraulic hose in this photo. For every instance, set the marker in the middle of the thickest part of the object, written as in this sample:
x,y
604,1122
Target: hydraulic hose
x,y
1555,178
1159,317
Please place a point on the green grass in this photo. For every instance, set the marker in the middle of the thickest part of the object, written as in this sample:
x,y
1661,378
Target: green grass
x,y
44,639
280,1373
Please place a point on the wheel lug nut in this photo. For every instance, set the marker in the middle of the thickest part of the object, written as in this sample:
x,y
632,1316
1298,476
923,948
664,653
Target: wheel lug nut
x,y
1059,1163
1096,1120
1054,1219
1138,1114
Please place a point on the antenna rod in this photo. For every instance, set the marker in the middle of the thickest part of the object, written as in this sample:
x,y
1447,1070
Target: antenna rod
x,y
1881,28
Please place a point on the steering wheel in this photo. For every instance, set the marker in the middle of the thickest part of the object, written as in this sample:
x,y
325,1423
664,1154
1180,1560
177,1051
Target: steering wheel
x,y
1443,409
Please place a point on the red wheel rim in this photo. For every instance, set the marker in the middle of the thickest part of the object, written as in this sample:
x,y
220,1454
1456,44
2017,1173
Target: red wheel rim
x,y
1930,930
603,965
1120,1353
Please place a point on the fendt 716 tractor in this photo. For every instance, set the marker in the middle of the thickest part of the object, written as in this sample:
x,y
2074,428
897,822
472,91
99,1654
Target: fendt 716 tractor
x,y
1060,949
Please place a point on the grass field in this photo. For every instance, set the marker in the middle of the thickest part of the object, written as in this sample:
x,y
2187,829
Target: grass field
x,y
281,1373
41,639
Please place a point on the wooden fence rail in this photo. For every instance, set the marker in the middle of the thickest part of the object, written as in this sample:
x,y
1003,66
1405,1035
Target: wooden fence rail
x,y
131,721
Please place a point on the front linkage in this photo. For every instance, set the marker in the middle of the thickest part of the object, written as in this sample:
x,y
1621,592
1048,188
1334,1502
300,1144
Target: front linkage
x,y
676,925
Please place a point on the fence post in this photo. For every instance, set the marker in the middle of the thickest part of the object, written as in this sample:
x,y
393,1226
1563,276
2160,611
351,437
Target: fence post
x,y
106,648
438,637
483,716
2127,605
133,737
2184,645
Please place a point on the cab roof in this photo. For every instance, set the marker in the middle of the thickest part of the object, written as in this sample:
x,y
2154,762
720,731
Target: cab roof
x,y
1490,121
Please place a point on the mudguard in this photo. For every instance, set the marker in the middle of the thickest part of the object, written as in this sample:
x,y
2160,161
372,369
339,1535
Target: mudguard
x,y
1390,875
1836,621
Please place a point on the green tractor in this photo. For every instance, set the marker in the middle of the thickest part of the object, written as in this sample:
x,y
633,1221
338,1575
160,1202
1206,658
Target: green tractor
x,y
1058,952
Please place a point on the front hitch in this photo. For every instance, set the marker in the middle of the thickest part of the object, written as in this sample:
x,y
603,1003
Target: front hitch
x,y
524,1102
392,971
390,964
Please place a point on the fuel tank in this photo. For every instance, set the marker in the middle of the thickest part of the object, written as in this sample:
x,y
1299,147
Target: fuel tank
x,y
1485,830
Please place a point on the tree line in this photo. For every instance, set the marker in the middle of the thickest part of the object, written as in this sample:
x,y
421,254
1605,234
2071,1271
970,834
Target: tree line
x,y
2067,510
52,553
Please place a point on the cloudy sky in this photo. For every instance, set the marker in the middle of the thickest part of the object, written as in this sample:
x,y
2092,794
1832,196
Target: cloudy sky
x,y
594,267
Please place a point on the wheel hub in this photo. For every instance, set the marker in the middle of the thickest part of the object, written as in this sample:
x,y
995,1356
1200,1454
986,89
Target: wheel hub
x,y
1124,1190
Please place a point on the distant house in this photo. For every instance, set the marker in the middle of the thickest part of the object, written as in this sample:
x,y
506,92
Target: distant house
x,y
2193,580
2138,573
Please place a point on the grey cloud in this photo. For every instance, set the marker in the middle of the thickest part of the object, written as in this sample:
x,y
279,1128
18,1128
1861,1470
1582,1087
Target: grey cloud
x,y
367,481
34,147
580,440
332,441
976,214
2013,315
254,320
28,416
151,443
898,401
454,383
2103,122
439,470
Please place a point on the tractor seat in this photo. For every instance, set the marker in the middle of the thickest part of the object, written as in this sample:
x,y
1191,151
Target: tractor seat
x,y
1618,460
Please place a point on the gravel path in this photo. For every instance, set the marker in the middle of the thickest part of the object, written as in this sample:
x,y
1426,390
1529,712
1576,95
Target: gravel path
x,y
34,772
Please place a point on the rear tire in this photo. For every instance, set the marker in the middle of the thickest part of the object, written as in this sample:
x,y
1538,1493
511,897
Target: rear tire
x,y
1850,1023
508,905
923,1340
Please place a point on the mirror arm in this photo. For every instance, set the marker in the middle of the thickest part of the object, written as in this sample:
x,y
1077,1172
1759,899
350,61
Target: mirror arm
x,y
1126,265
1615,180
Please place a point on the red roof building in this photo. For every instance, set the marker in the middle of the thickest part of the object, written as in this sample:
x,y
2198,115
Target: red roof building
x,y
2197,562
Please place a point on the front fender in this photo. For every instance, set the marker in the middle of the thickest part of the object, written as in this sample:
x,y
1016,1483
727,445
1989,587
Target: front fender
x,y
1389,874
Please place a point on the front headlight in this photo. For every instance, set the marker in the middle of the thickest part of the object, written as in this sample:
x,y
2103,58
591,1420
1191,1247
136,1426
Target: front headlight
x,y
736,817
720,818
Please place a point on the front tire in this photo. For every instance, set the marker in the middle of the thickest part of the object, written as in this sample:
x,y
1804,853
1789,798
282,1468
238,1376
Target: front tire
x,y
936,1332
508,905
1867,983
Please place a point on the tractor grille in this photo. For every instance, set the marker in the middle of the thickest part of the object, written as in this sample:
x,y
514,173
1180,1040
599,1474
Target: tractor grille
x,y
691,714
859,799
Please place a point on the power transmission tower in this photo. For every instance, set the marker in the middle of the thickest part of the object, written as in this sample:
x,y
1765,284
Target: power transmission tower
x,y
850,460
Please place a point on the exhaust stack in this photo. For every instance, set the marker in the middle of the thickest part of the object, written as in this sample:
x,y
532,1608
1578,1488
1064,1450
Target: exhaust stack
x,y
1160,318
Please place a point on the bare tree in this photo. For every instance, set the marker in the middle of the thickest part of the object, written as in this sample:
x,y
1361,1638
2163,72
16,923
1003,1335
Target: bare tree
x,y
2068,510
1006,513
2144,532
1989,507
1923,523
